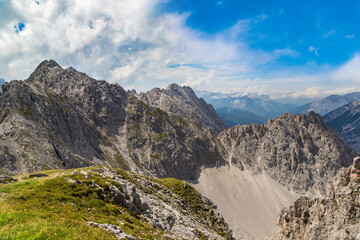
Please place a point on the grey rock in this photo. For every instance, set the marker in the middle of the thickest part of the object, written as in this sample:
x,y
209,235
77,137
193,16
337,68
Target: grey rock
x,y
162,210
334,217
85,174
117,195
95,185
116,230
298,151
183,102
71,120
72,181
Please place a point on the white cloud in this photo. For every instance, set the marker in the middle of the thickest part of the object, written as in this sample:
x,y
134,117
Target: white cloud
x,y
350,36
125,42
331,32
349,71
315,50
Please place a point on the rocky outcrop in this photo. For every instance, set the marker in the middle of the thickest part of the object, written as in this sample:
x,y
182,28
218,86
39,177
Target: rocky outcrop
x,y
182,102
170,205
102,103
298,151
116,230
334,217
167,145
41,130
346,121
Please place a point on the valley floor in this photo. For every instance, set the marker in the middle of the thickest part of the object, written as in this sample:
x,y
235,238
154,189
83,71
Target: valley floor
x,y
249,203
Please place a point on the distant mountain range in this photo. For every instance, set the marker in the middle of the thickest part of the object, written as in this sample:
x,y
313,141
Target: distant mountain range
x,y
346,121
235,110
234,116
328,104
1,82
262,106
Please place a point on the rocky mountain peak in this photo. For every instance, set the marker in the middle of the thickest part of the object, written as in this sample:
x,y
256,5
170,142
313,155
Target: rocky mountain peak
x,y
183,102
43,69
181,91
298,151
71,69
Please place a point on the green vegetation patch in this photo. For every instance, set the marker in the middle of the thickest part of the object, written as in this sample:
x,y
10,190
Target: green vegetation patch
x,y
52,208
121,161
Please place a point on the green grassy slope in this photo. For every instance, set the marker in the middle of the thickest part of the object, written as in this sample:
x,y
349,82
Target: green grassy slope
x,y
52,208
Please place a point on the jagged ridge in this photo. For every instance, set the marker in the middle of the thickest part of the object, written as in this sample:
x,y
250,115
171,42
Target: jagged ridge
x,y
334,217
298,151
78,121
183,102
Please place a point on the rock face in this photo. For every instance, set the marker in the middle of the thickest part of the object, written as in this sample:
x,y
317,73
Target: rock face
x,y
61,118
170,205
41,130
183,102
298,151
328,104
346,121
334,217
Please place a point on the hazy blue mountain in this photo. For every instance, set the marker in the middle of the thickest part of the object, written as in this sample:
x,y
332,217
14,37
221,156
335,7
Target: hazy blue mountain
x,y
346,121
262,105
1,82
328,104
234,116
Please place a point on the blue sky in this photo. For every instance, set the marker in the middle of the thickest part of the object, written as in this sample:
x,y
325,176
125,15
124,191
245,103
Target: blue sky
x,y
322,32
292,50
327,26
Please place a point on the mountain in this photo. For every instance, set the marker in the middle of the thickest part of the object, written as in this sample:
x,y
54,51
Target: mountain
x,y
328,104
183,102
269,166
334,217
1,81
291,149
262,106
103,203
61,119
346,120
234,116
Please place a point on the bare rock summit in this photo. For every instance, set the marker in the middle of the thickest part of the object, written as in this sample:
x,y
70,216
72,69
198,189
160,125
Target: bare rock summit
x,y
183,102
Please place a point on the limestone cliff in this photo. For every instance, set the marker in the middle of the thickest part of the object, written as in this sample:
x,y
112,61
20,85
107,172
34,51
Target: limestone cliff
x,y
334,217
183,102
298,151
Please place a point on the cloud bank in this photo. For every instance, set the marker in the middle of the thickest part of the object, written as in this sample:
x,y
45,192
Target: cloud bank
x,y
129,42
